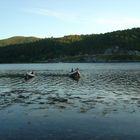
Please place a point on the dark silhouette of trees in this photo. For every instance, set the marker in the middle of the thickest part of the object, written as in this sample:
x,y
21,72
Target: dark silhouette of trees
x,y
74,45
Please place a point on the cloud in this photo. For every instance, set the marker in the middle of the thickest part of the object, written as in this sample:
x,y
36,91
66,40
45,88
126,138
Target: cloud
x,y
55,14
102,23
64,16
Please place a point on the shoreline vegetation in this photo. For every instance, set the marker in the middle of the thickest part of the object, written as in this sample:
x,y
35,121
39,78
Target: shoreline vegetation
x,y
93,59
117,46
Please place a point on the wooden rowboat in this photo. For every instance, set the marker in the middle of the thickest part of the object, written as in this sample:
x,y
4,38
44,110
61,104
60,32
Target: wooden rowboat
x,y
29,75
75,75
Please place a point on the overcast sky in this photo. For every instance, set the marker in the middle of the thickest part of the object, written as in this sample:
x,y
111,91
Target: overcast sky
x,y
47,18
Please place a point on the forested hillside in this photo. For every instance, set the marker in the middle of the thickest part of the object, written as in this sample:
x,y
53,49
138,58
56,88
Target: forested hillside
x,y
17,40
114,46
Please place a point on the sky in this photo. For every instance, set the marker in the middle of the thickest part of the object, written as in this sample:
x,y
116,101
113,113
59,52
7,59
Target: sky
x,y
57,18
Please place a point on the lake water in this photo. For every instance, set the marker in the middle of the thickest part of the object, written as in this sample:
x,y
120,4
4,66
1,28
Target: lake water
x,y
104,104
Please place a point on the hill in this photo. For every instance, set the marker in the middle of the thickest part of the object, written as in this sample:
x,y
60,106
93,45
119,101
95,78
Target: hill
x,y
117,46
17,40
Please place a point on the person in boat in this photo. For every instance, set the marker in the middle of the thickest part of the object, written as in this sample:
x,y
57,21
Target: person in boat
x,y
72,70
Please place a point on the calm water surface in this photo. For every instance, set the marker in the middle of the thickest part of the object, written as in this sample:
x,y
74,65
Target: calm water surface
x,y
103,104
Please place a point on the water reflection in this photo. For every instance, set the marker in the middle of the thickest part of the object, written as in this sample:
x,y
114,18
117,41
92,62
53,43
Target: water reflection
x,y
99,91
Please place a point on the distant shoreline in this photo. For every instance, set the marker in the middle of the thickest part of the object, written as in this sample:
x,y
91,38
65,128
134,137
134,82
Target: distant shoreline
x,y
72,62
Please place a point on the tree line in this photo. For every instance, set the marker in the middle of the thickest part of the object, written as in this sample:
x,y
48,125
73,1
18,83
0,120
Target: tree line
x,y
71,46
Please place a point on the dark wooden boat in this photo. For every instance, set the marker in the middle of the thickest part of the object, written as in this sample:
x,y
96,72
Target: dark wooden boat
x,y
29,75
75,75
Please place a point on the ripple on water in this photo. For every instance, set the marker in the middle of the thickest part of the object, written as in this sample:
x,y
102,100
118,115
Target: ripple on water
x,y
97,90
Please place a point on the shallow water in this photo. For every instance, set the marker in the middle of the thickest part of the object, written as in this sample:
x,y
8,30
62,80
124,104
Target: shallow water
x,y
103,104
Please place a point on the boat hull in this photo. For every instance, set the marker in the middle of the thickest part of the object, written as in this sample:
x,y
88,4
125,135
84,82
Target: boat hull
x,y
29,75
75,75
